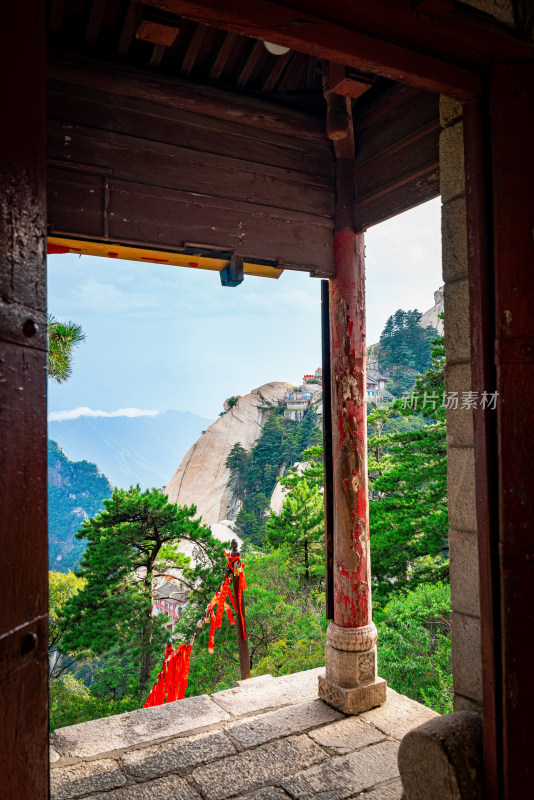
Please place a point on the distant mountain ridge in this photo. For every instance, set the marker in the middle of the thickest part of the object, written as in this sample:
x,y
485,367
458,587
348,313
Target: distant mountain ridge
x,y
131,450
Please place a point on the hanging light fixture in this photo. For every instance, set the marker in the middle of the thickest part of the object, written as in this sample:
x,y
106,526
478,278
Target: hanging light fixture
x,y
276,49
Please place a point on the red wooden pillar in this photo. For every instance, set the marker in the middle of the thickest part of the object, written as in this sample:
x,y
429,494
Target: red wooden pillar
x,y
23,523
512,135
351,683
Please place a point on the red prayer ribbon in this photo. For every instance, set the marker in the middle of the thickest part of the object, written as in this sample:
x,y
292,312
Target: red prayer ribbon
x,y
241,587
172,681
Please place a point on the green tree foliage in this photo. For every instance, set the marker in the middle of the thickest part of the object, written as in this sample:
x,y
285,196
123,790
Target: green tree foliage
x,y
405,349
63,337
312,458
408,510
408,479
256,471
72,702
414,645
286,626
132,541
61,587
300,527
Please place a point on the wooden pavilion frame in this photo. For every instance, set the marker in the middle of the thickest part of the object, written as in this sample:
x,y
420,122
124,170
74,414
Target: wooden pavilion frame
x,y
430,47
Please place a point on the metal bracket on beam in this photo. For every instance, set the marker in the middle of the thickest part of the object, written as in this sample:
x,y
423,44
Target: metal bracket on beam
x,y
232,275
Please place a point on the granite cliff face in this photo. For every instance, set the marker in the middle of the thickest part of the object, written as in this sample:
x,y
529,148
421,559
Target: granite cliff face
x,y
202,478
431,317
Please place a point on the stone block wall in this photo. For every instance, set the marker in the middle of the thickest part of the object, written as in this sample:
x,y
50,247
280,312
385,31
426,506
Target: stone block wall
x,y
465,617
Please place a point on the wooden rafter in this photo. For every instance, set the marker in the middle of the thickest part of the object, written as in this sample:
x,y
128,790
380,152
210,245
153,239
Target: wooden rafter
x,y
128,30
95,21
332,41
222,56
251,63
157,54
291,75
274,74
193,50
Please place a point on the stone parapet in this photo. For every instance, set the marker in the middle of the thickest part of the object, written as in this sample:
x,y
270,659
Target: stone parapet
x,y
260,740
442,759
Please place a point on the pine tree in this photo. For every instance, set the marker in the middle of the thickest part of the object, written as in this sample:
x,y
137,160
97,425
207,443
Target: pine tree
x,y
300,528
408,480
130,543
405,348
63,337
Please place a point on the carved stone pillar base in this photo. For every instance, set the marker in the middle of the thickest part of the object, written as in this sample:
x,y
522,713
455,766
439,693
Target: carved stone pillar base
x,y
351,683
353,701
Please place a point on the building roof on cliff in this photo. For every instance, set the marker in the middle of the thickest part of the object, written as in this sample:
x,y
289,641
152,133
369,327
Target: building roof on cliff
x,y
170,591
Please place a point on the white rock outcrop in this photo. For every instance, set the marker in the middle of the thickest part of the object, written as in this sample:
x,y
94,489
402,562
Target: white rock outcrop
x,y
431,317
202,477
280,492
222,531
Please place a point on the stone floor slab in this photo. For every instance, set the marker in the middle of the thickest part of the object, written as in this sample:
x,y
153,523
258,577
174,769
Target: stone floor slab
x,y
256,680
347,735
267,793
398,715
177,755
246,699
263,766
97,776
275,724
170,788
89,739
342,777
387,791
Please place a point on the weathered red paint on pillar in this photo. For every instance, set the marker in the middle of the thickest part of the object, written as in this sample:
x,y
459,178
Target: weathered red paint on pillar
x,y
352,586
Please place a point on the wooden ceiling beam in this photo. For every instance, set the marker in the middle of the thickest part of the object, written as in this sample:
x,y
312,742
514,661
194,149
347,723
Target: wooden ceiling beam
x,y
332,41
294,69
95,21
158,33
174,93
342,82
222,56
193,50
251,63
157,54
275,73
131,22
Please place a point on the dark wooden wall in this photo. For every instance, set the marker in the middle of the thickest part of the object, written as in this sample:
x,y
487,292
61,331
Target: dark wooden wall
x,y
147,161
23,492
150,162
396,135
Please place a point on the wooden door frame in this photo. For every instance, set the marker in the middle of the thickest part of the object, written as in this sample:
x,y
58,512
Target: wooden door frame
x,y
24,479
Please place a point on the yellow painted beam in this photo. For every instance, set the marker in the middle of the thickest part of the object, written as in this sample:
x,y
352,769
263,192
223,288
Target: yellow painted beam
x,y
57,244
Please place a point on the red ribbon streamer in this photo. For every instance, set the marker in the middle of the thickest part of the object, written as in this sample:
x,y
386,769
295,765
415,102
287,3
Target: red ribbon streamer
x,y
172,681
241,586
216,619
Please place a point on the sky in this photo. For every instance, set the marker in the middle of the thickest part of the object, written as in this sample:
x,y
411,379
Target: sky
x,y
160,337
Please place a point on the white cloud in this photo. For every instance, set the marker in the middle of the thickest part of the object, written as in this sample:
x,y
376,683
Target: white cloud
x,y
84,411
